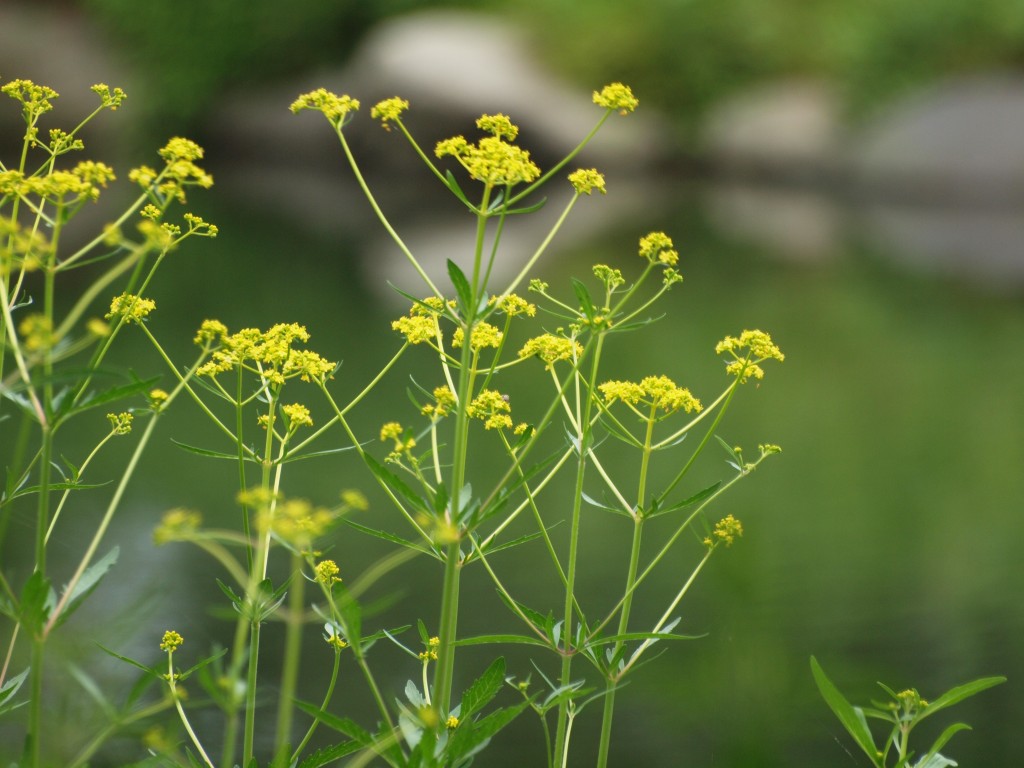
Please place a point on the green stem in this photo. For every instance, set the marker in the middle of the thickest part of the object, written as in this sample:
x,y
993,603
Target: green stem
x,y
249,736
583,436
294,622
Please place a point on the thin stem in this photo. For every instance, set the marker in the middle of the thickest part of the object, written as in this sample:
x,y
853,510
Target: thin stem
x,y
294,622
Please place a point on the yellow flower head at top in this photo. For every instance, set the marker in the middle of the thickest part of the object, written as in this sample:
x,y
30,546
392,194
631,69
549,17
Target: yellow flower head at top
x,y
656,247
747,351
327,572
171,641
656,392
493,160
335,108
389,110
616,96
492,408
586,180
133,309
551,349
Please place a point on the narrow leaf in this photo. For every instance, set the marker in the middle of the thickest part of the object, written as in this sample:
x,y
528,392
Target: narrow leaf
x,y
851,718
958,694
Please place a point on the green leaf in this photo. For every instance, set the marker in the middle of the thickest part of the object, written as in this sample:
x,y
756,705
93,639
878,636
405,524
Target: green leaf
x,y
389,537
627,637
484,688
462,288
330,754
851,717
37,600
507,639
107,396
959,693
583,295
211,453
390,480
940,742
539,620
453,185
314,454
341,724
208,660
89,581
527,209
467,741
695,499
599,505
154,671
9,690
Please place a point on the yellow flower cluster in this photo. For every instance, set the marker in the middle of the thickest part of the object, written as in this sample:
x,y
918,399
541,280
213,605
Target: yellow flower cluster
x,y
444,401
297,522
611,277
418,326
551,349
403,443
430,654
484,335
492,160
120,423
616,96
176,525
271,352
327,572
389,110
171,641
585,181
656,392
728,529
35,99
492,408
513,305
750,349
298,415
353,499
132,308
657,248
20,248
110,99
181,171
36,331
83,182
335,108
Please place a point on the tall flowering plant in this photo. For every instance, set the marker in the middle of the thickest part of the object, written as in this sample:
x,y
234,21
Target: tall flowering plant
x,y
434,465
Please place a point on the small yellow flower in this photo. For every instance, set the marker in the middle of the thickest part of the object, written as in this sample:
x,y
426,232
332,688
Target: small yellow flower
x,y
444,401
97,327
354,499
120,423
298,415
451,723
36,331
133,309
656,392
176,525
728,529
656,247
109,99
750,349
616,96
551,349
492,408
327,572
389,110
157,397
171,641
585,181
417,329
498,125
334,107
484,335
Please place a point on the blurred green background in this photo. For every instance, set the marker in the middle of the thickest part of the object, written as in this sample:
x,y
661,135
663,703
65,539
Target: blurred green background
x,y
885,539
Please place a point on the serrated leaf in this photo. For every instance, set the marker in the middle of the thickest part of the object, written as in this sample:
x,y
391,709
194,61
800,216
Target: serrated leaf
x,y
467,741
395,483
87,583
328,755
484,688
37,600
341,724
537,619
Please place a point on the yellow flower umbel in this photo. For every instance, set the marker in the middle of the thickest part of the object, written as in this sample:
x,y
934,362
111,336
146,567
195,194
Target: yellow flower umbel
x,y
493,160
748,351
271,354
551,349
335,108
327,572
492,408
133,309
654,392
389,111
617,96
171,641
726,530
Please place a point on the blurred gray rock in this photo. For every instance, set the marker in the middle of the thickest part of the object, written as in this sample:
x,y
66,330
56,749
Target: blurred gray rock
x,y
959,141
790,129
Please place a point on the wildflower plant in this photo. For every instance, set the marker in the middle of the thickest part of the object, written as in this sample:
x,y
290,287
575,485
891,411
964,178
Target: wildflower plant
x,y
272,401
